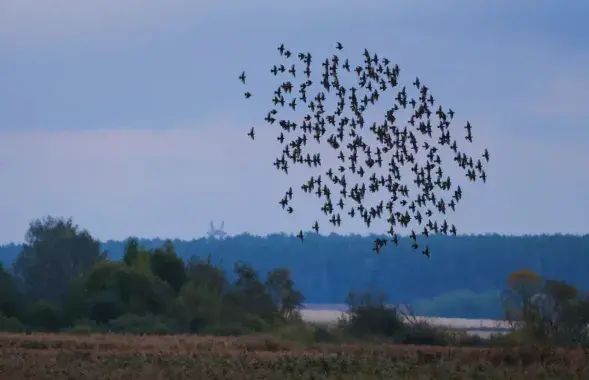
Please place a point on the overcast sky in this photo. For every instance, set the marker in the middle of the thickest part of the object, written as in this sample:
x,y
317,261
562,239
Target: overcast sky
x,y
128,115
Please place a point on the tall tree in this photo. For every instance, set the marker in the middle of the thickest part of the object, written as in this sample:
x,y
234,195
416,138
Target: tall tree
x,y
253,295
166,265
282,290
55,252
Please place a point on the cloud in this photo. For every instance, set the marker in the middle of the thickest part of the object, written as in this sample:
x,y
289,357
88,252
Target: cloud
x,y
38,23
30,21
565,90
123,182
73,72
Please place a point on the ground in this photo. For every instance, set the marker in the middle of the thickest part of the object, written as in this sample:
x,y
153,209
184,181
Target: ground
x,y
63,356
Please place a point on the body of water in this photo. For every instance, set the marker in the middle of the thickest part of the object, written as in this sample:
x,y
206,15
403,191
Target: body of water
x,y
329,314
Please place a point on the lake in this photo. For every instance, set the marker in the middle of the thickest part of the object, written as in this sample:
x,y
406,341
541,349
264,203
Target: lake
x,y
329,314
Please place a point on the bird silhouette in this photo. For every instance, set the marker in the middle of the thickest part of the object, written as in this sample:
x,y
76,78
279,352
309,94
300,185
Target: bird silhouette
x,y
368,181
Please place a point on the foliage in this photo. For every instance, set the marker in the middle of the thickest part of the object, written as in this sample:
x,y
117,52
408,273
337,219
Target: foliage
x,y
154,291
325,268
261,356
150,291
461,304
547,311
368,314
55,252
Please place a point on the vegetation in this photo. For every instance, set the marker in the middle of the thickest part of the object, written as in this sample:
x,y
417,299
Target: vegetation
x,y
463,279
63,356
62,282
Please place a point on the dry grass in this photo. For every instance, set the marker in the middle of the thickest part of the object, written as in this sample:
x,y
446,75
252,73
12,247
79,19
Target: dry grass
x,y
62,356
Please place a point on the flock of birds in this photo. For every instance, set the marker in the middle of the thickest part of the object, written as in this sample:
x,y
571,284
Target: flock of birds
x,y
397,146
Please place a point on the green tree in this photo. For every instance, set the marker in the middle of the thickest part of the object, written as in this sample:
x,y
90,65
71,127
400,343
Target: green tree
x,y
137,257
563,314
204,274
167,266
251,294
55,252
11,300
282,290
522,286
199,307
127,290
368,314
131,251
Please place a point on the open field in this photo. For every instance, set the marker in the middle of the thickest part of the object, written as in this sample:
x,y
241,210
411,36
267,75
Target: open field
x,y
62,356
480,327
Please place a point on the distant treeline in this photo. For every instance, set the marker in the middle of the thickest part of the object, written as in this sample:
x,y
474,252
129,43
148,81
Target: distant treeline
x,y
325,268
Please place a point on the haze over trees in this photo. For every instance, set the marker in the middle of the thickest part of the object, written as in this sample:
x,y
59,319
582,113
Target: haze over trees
x,y
62,280
465,280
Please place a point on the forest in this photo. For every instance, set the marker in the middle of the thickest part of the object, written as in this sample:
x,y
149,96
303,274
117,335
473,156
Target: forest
x,y
63,279
463,277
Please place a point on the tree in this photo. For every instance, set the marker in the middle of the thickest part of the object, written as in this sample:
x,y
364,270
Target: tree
x,y
563,314
281,288
522,285
166,265
251,293
10,298
547,310
55,252
368,314
204,274
131,251
116,289
199,307
136,256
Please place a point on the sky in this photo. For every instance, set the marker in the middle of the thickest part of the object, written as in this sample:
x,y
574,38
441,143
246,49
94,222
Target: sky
x,y
128,115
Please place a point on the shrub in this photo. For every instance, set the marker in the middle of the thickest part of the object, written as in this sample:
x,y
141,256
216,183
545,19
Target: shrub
x,y
421,333
146,324
11,324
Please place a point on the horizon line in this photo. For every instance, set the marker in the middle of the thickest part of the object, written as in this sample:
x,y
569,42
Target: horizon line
x,y
311,233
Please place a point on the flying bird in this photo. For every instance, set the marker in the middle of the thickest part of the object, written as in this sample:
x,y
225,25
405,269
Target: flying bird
x,y
364,174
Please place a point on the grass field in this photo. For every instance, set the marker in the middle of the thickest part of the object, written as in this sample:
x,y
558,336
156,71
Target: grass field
x,y
63,356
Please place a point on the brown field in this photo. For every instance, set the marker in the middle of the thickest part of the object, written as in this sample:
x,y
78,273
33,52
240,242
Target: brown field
x,y
110,356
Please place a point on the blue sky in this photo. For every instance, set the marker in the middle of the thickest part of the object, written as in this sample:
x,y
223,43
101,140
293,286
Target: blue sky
x,y
128,115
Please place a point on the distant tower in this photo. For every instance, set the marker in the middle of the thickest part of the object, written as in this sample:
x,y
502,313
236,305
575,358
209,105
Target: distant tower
x,y
217,233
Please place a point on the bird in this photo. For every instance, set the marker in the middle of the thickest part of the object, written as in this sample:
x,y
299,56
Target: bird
x,y
316,227
300,235
370,153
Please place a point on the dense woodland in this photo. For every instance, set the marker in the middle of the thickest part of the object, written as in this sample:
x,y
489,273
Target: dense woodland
x,y
463,277
61,279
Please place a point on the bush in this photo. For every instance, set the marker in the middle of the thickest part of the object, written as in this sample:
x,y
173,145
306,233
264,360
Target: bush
x,y
44,316
301,333
85,328
226,329
421,333
11,325
373,320
263,342
322,334
146,324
